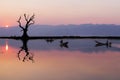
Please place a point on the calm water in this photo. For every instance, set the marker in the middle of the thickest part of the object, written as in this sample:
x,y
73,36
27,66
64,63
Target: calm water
x,y
50,60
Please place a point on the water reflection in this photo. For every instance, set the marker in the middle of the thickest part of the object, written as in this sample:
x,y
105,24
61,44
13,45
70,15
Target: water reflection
x,y
83,45
24,47
107,44
81,61
6,46
64,44
49,40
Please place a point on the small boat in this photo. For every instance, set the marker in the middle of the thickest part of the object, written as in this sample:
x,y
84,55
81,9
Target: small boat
x,y
63,44
49,40
107,43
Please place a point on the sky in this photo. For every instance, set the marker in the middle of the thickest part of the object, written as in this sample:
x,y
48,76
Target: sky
x,y
55,12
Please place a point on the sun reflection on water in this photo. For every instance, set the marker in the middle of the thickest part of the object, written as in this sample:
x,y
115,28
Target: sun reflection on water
x,y
6,46
59,64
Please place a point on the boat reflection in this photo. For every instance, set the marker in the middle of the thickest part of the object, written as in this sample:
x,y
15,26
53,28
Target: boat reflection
x,y
81,61
64,44
86,45
107,44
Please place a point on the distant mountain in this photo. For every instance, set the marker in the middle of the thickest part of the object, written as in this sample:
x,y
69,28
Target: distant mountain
x,y
65,30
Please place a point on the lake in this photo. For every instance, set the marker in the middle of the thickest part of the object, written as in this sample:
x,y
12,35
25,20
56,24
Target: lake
x,y
77,59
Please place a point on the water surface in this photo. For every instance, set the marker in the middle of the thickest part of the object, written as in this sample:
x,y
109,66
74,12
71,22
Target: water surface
x,y
48,60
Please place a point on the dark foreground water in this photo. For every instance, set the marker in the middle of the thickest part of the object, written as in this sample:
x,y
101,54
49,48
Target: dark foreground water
x,y
80,59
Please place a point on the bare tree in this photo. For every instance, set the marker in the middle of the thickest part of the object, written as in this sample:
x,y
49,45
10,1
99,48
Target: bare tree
x,y
28,22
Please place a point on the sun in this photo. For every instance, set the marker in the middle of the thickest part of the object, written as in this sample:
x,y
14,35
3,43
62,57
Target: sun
x,y
6,26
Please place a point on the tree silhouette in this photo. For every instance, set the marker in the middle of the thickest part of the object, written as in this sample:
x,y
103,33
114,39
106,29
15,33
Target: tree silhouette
x,y
29,21
25,38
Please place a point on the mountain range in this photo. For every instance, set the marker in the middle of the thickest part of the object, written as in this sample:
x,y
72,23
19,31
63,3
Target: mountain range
x,y
65,30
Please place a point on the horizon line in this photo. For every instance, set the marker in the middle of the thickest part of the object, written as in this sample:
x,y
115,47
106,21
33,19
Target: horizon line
x,y
67,24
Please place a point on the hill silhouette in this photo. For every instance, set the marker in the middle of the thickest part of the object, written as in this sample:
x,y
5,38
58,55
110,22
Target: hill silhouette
x,y
65,30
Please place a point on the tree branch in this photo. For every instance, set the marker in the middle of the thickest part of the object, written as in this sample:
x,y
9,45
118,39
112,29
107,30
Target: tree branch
x,y
26,17
19,22
30,21
31,18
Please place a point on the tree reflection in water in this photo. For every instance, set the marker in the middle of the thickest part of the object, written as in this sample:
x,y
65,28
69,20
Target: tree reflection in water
x,y
28,56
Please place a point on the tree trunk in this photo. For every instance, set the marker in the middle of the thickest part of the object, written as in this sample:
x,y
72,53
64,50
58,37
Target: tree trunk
x,y
25,35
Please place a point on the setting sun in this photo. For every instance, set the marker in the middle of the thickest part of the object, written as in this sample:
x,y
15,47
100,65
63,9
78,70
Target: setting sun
x,y
6,26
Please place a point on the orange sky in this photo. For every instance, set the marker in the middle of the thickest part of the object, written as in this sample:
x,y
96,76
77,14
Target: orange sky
x,y
61,11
